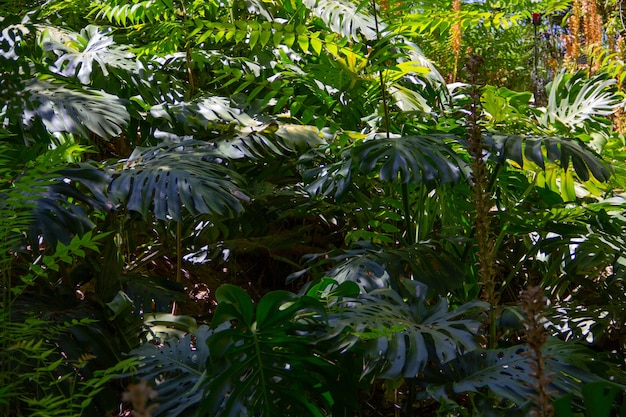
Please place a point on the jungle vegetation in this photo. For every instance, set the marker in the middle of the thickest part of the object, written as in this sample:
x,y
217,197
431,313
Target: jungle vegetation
x,y
312,208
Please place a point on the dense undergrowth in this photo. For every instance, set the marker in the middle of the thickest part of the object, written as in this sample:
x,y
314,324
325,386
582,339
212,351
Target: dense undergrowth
x,y
314,207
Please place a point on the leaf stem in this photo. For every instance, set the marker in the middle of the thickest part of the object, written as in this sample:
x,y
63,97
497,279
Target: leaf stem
x,y
407,214
257,350
383,90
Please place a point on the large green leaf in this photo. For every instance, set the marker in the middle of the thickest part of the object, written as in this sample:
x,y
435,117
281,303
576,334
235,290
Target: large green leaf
x,y
266,364
77,53
271,140
170,178
373,267
402,338
574,99
344,17
507,372
562,151
205,113
60,207
175,369
63,108
152,294
599,399
330,179
412,159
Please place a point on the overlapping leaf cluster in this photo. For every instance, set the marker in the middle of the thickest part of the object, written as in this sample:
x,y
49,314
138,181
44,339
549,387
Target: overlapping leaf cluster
x,y
247,134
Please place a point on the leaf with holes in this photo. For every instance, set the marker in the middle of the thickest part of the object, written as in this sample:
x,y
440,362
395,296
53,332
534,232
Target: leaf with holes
x,y
553,149
271,140
170,178
507,372
175,369
412,159
77,53
573,99
372,267
402,338
63,108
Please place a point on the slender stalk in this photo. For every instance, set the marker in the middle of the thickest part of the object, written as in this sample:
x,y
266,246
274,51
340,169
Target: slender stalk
x,y
179,260
533,304
411,395
408,221
535,64
485,241
5,325
179,252
191,91
383,90
188,55
257,350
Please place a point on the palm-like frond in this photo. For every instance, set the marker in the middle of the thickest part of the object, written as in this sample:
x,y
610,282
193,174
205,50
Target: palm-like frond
x,y
401,337
135,13
170,178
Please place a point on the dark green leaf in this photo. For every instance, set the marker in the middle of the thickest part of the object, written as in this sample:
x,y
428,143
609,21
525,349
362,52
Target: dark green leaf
x,y
557,150
413,159
233,304
175,370
271,367
170,178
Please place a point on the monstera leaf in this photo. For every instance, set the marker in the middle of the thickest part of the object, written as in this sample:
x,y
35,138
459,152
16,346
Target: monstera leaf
x,y
553,149
573,99
433,160
77,53
373,267
170,178
400,337
330,179
175,369
61,208
58,216
152,294
412,159
206,113
507,372
271,140
62,108
266,364
345,18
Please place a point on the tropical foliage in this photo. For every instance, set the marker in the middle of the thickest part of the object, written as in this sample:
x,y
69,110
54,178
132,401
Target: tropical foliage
x,y
315,207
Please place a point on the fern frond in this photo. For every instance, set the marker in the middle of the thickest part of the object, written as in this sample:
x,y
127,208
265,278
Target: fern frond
x,y
126,14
